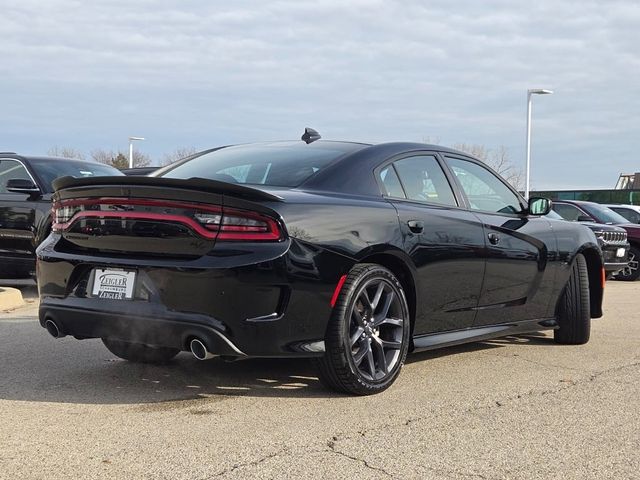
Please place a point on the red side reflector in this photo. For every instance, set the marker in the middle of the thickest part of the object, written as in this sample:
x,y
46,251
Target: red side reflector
x,y
336,292
604,277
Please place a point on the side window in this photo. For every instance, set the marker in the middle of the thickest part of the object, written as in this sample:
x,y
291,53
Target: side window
x,y
237,173
391,182
423,179
631,215
10,169
568,212
485,191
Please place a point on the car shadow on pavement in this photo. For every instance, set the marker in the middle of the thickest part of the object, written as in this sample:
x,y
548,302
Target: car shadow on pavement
x,y
36,367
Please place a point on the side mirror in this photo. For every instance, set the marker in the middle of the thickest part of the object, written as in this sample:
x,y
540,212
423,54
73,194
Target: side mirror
x,y
584,218
539,206
22,185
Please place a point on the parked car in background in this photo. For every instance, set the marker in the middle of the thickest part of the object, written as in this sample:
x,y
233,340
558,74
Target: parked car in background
x,y
25,205
630,212
579,211
612,241
349,253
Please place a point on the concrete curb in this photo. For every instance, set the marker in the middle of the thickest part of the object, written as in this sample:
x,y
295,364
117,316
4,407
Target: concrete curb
x,y
10,298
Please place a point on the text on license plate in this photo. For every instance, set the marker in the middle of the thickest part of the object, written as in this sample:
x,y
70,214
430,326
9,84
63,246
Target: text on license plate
x,y
113,284
621,252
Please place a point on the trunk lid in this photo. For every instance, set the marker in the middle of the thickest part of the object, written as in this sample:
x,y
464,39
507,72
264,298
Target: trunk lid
x,y
160,216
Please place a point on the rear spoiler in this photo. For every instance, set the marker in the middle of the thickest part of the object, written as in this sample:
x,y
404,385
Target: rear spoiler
x,y
194,183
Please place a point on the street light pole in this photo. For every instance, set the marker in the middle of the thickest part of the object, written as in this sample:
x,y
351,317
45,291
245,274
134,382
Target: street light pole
x,y
532,91
131,139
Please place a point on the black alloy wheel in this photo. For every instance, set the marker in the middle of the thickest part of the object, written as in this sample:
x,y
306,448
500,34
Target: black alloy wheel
x,y
368,336
137,352
631,272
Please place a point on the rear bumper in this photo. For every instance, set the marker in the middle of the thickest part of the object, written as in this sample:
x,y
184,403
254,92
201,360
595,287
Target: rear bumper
x,y
137,326
260,307
614,267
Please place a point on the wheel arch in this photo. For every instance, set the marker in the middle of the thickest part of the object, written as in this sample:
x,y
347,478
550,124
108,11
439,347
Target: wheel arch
x,y
403,271
596,282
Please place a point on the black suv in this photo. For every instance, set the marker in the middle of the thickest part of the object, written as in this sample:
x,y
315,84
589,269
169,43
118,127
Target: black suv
x,y
25,205
608,227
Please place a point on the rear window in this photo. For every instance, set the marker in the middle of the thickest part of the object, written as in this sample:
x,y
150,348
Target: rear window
x,y
48,170
278,165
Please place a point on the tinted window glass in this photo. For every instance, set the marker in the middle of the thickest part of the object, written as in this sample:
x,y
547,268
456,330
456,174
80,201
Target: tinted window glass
x,y
485,191
568,212
423,179
48,170
10,169
391,182
603,214
282,164
631,215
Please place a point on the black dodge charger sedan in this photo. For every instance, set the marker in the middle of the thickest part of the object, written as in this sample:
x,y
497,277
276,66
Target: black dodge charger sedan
x,y
349,253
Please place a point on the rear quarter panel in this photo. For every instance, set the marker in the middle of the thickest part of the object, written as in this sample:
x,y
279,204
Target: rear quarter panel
x,y
353,226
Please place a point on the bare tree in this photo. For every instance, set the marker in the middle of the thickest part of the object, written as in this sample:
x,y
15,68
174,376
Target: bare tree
x,y
497,159
66,152
177,154
103,156
140,159
119,159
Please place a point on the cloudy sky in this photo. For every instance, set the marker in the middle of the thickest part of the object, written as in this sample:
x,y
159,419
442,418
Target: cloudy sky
x,y
203,73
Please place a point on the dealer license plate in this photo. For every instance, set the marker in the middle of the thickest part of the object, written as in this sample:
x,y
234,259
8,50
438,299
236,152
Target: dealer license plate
x,y
621,252
113,284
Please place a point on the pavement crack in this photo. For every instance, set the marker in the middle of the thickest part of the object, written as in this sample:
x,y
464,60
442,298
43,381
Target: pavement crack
x,y
332,448
567,385
252,463
613,370
528,360
332,445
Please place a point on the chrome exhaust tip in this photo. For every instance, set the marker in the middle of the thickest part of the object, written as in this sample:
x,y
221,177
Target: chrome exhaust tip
x,y
53,329
199,350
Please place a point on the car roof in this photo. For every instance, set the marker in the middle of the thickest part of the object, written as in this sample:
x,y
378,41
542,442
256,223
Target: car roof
x,y
575,202
47,158
349,146
339,175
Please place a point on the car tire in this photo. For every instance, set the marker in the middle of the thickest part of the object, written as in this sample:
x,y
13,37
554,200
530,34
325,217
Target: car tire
x,y
631,272
368,334
574,309
137,352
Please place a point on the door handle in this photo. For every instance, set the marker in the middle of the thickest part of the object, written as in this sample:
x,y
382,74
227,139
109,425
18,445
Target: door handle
x,y
416,226
494,238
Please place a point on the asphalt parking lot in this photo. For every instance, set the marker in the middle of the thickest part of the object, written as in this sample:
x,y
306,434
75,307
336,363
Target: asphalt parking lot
x,y
520,407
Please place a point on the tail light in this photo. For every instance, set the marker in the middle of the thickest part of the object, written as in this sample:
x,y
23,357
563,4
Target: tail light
x,y
210,221
240,225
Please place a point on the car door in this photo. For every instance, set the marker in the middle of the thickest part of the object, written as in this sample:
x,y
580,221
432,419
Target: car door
x,y
17,213
516,280
444,241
